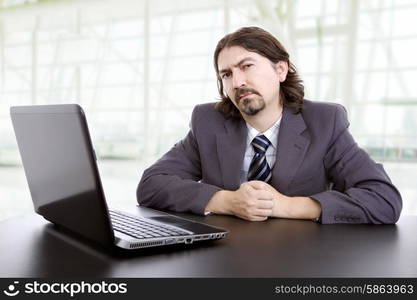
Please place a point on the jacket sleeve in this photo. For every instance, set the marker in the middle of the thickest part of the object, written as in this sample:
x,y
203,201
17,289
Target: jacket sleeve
x,y
362,191
173,181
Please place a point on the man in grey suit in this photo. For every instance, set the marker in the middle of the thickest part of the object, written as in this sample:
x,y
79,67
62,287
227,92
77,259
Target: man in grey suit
x,y
264,151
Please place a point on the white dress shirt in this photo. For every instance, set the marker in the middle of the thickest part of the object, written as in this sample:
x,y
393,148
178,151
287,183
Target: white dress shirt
x,y
271,152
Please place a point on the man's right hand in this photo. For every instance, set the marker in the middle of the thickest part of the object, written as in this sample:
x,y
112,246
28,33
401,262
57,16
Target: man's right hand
x,y
246,203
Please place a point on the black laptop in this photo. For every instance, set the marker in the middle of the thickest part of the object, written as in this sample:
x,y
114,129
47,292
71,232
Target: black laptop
x,y
64,182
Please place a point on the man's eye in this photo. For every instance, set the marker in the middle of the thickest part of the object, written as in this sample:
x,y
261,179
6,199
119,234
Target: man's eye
x,y
226,75
247,66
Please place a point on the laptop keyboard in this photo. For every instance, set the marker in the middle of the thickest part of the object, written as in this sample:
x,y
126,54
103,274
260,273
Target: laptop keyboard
x,y
141,228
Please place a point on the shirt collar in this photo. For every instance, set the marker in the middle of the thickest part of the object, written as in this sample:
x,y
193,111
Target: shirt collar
x,y
271,133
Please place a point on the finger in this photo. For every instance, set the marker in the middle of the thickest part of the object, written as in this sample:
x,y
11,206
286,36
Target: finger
x,y
259,185
262,195
265,204
252,216
263,212
256,218
246,187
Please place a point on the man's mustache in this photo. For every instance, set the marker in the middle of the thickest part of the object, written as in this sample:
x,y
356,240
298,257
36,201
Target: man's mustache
x,y
242,91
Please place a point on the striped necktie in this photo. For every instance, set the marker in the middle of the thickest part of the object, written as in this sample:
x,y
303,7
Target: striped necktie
x,y
259,168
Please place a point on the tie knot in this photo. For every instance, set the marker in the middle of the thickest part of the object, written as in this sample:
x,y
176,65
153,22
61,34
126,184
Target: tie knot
x,y
260,143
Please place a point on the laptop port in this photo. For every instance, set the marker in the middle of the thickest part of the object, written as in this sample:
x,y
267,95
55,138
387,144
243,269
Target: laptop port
x,y
169,241
218,235
188,240
180,240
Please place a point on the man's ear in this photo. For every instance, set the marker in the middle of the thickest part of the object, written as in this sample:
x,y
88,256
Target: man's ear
x,y
282,70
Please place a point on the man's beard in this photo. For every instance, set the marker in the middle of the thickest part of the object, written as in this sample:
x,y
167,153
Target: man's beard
x,y
251,104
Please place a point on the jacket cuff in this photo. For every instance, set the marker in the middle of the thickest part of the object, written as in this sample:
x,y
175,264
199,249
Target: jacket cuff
x,y
332,210
205,194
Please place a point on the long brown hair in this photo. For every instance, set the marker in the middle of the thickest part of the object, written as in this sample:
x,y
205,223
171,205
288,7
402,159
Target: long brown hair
x,y
257,40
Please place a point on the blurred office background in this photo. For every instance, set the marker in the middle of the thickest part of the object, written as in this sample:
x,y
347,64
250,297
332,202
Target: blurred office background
x,y
139,66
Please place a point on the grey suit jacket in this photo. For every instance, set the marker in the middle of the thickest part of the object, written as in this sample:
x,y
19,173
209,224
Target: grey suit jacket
x,y
316,157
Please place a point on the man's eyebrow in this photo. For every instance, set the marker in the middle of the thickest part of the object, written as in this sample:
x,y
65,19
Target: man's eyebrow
x,y
243,60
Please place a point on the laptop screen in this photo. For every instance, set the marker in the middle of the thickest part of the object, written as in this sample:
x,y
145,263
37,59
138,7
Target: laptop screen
x,y
61,170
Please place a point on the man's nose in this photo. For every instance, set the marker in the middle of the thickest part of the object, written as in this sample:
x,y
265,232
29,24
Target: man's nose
x,y
239,79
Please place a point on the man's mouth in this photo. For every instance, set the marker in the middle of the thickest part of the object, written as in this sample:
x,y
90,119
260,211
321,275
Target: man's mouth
x,y
245,95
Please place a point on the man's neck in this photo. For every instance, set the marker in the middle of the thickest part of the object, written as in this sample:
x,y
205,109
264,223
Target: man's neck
x,y
264,119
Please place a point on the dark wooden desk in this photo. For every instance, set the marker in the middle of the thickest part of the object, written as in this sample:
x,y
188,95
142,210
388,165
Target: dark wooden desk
x,y
32,247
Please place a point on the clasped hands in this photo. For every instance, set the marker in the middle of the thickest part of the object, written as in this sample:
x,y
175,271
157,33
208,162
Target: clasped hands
x,y
257,201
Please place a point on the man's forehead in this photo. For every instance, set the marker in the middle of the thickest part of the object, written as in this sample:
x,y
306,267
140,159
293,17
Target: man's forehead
x,y
231,56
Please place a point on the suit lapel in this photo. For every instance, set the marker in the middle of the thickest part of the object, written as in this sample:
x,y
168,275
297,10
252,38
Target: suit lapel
x,y
231,146
292,147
